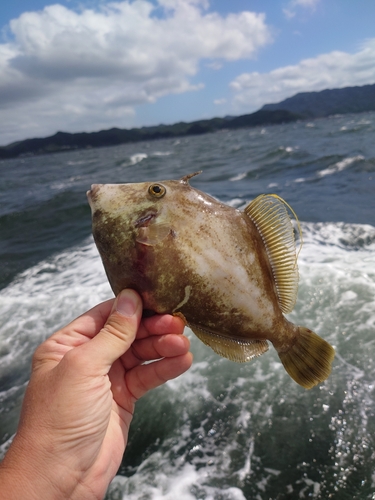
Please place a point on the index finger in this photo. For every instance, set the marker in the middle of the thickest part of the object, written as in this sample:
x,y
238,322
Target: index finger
x,y
91,322
160,324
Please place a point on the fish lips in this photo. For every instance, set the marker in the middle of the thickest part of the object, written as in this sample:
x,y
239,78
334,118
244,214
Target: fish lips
x,y
92,194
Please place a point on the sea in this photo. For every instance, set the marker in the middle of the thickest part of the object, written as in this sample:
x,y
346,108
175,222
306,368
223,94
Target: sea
x,y
221,431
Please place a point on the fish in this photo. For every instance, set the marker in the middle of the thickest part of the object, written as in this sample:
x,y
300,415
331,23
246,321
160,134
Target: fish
x,y
230,274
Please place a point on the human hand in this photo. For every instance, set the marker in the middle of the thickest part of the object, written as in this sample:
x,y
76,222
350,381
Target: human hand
x,y
80,400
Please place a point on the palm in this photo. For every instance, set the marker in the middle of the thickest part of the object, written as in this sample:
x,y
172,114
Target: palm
x,y
90,428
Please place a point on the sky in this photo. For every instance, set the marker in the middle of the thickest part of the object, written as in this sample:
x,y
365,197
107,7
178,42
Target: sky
x,y
88,65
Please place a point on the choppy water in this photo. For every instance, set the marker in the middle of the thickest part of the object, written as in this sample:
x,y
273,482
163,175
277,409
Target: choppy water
x,y
222,431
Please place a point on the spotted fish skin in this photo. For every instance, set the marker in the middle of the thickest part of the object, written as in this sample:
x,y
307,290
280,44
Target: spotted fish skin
x,y
188,254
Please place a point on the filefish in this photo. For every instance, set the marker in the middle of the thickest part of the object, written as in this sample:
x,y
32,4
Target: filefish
x,y
230,274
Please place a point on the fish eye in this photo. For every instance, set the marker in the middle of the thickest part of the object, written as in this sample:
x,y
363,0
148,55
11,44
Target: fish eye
x,y
157,190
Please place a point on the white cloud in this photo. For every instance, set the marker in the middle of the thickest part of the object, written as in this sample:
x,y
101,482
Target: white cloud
x,y
67,70
290,10
215,65
333,70
288,13
306,3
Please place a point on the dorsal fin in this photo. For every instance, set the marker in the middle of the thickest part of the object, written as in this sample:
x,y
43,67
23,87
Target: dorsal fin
x,y
269,214
185,179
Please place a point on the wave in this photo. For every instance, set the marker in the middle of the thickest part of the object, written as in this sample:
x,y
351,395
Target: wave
x,y
139,157
340,165
134,159
227,423
341,235
33,233
218,429
167,483
161,153
238,177
39,301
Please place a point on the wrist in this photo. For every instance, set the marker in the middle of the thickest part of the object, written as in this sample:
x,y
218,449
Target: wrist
x,y
26,472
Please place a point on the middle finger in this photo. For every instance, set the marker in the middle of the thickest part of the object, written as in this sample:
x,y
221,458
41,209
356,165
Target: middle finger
x,y
155,347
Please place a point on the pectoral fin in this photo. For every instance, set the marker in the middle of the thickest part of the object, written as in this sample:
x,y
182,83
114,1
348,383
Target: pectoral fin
x,y
269,214
153,234
239,350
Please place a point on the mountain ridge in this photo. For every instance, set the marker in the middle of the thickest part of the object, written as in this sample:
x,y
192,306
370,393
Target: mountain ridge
x,y
65,141
304,105
328,102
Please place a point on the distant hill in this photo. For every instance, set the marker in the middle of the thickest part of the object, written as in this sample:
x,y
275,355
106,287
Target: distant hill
x,y
63,141
328,102
305,105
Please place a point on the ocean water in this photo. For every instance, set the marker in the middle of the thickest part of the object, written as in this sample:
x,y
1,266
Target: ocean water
x,y
222,431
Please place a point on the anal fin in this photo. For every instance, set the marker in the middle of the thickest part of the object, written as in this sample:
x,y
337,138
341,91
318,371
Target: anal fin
x,y
235,349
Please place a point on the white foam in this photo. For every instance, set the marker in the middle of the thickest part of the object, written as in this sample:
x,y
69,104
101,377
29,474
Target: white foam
x,y
236,202
336,299
170,484
5,446
49,295
333,241
180,387
238,177
137,158
162,153
288,149
340,165
364,122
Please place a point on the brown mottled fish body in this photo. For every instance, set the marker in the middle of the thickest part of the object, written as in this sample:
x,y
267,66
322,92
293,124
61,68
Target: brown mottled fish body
x,y
188,254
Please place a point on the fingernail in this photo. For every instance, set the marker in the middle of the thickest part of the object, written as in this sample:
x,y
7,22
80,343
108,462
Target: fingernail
x,y
126,303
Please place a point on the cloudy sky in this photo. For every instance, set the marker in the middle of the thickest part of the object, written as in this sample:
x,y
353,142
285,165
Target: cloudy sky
x,y
86,65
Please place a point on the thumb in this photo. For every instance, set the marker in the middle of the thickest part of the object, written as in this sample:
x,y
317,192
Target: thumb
x,y
118,333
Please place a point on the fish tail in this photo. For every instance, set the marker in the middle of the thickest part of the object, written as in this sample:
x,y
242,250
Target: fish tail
x,y
309,360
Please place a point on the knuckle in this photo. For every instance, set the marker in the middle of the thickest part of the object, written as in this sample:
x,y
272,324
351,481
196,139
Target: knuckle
x,y
38,355
73,357
120,327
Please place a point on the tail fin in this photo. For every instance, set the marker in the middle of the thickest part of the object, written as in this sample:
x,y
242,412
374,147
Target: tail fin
x,y
309,360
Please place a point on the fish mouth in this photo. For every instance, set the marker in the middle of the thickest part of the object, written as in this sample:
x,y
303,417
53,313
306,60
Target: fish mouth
x,y
92,193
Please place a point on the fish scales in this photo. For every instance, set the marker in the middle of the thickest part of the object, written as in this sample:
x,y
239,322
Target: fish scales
x,y
188,254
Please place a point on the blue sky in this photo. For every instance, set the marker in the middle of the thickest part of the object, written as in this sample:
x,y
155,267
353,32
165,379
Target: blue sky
x,y
85,65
